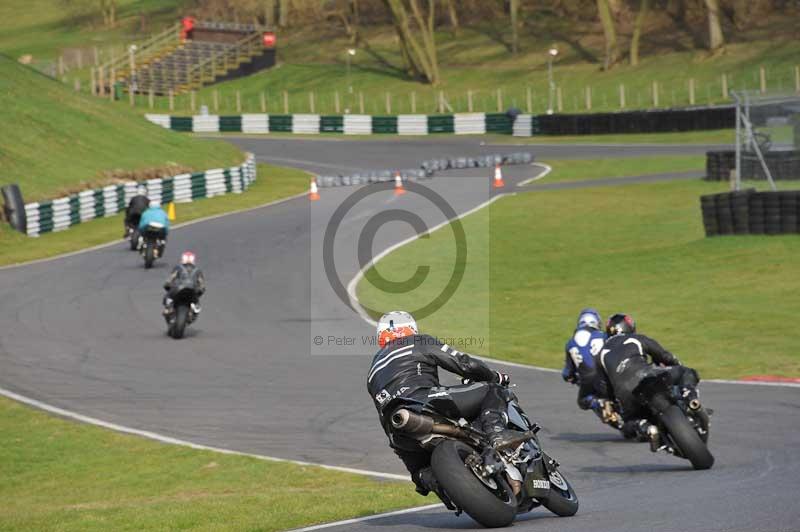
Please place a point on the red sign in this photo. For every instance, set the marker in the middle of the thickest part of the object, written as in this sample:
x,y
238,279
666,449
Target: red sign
x,y
268,39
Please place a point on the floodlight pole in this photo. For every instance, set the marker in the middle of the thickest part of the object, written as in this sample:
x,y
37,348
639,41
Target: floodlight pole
x,y
551,53
738,179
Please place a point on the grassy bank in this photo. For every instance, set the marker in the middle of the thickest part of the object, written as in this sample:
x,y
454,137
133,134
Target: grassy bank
x,y
60,475
273,183
636,248
56,140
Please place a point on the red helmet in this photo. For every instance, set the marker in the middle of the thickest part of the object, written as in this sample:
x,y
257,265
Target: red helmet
x,y
394,325
187,258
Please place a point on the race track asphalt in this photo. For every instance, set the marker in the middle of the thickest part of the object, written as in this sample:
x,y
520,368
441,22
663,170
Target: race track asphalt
x,y
84,333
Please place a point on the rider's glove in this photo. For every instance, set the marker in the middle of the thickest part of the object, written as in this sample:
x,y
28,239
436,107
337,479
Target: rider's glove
x,y
503,378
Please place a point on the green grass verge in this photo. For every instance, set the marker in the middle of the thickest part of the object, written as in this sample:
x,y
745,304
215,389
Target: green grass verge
x,y
541,257
55,139
273,183
582,169
60,475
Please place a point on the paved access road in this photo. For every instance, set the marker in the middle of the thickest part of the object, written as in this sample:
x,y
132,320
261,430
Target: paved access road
x,y
84,333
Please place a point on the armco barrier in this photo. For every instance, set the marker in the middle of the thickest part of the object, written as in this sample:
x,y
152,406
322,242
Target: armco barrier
x,y
750,212
62,213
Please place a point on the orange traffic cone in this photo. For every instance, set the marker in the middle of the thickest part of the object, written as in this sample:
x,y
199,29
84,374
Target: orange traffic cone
x,y
498,177
399,190
313,194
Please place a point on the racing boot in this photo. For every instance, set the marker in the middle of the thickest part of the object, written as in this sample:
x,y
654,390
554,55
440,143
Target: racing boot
x,y
494,425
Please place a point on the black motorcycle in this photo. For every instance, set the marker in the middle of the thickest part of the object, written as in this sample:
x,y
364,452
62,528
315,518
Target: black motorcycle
x,y
181,311
151,243
679,424
491,484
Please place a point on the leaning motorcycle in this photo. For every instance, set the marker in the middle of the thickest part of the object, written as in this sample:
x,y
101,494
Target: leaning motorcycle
x,y
679,422
151,243
491,484
181,311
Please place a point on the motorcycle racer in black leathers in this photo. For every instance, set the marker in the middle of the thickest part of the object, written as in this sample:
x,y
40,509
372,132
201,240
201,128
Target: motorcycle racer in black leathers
x,y
407,366
624,364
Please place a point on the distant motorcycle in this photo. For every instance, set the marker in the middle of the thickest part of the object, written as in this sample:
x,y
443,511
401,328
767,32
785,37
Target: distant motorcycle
x,y
151,243
492,485
679,424
181,311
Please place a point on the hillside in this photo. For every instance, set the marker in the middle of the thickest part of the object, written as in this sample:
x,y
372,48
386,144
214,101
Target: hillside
x,y
55,139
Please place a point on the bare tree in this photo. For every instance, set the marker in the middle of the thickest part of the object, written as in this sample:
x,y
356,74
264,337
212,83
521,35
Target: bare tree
x,y
416,35
610,33
716,40
637,31
513,11
109,11
283,13
452,13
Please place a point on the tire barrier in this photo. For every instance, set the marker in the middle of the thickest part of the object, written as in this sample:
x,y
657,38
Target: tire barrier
x,y
657,121
62,213
14,207
426,169
460,124
748,212
783,165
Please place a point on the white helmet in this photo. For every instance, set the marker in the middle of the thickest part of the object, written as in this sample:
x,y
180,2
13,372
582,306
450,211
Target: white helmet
x,y
395,324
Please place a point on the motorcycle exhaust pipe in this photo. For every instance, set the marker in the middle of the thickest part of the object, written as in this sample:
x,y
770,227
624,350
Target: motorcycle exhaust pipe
x,y
694,404
412,423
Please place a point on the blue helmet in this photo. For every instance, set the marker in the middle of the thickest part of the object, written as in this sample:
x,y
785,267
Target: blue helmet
x,y
590,318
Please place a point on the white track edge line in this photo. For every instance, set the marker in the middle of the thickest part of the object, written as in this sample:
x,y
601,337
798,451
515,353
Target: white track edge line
x,y
367,518
547,169
183,443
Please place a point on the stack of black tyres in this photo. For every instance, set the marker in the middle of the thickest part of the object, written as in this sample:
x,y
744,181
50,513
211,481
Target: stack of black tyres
x,y
772,213
740,209
757,218
724,213
789,203
709,209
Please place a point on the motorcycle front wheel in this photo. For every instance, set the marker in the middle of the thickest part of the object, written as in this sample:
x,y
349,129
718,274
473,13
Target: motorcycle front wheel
x,y
562,500
491,503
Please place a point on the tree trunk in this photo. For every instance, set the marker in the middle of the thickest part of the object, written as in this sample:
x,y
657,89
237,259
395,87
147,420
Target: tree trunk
x,y
715,38
637,32
283,15
419,52
269,13
610,33
453,14
514,15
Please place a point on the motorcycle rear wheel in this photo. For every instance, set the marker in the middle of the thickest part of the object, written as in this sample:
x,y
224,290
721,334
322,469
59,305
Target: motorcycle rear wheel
x,y
489,508
149,255
686,438
134,239
179,323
